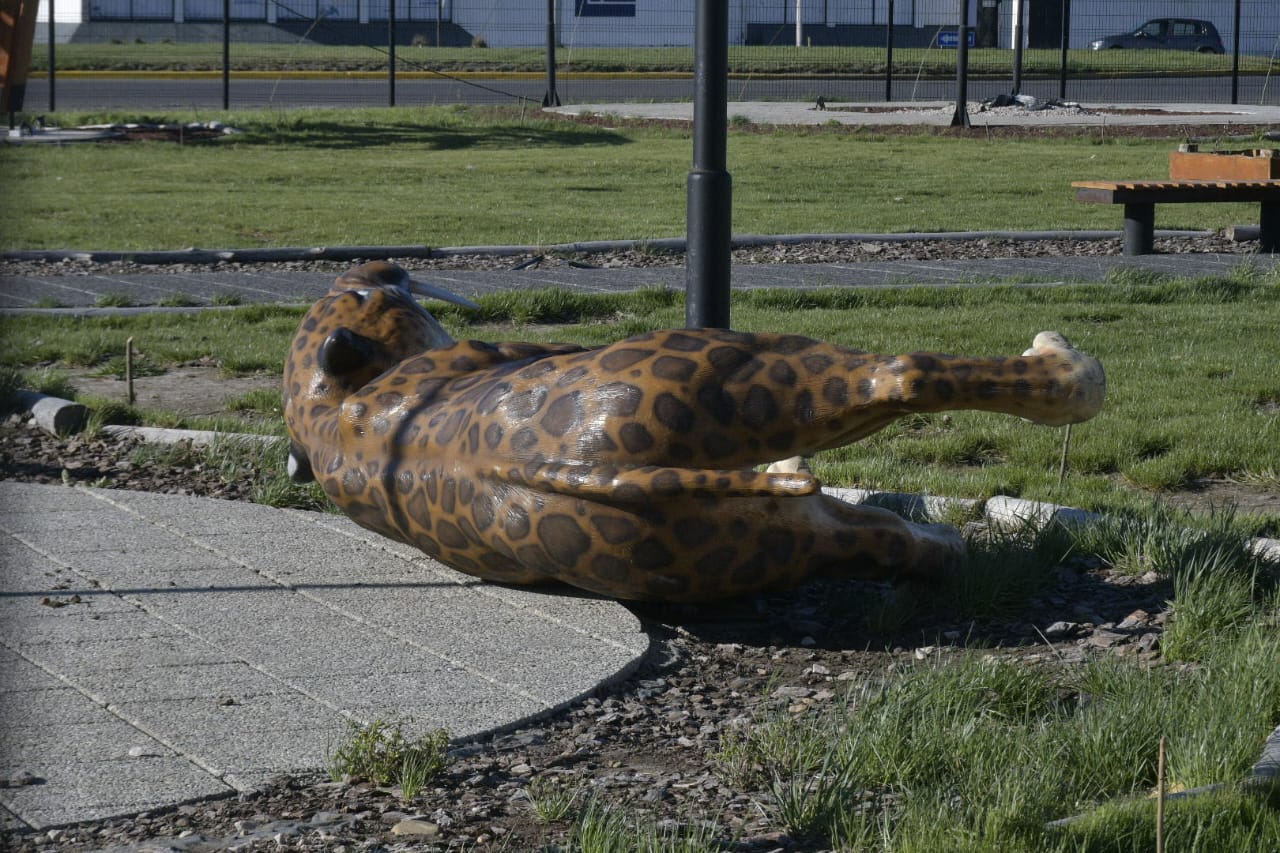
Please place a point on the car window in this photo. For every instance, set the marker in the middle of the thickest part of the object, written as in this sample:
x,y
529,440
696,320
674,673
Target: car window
x,y
1184,28
1153,28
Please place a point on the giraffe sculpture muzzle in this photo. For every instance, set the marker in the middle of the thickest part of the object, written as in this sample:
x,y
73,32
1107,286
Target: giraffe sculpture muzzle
x,y
628,470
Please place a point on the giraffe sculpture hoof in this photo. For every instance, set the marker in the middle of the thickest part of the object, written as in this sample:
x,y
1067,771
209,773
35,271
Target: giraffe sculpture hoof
x,y
629,469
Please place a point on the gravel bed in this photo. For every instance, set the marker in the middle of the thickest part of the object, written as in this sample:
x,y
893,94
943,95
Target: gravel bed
x,y
649,742
815,252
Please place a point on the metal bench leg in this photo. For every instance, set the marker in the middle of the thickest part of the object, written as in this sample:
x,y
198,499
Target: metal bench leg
x,y
1269,228
1139,229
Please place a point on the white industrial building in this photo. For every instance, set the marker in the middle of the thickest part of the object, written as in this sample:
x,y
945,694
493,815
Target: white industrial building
x,y
645,23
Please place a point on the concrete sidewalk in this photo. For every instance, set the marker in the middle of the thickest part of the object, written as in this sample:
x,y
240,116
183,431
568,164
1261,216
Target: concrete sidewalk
x,y
157,649
941,113
80,293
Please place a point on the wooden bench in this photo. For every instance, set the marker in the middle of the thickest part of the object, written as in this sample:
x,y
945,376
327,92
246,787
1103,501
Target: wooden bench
x,y
1141,197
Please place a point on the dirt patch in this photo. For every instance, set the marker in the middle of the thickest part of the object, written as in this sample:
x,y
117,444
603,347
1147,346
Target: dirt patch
x,y
1246,498
187,390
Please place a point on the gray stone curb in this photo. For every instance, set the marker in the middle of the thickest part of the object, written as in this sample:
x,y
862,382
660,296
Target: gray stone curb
x,y
53,414
920,507
197,437
1007,512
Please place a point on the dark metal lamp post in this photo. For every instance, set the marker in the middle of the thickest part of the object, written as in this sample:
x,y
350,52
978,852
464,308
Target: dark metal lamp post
x,y
710,188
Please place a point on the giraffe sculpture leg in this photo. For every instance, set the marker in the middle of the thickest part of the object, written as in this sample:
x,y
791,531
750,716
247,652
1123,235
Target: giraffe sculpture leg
x,y
629,470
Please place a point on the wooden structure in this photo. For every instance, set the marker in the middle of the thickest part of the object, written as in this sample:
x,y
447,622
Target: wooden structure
x,y
1141,197
1257,164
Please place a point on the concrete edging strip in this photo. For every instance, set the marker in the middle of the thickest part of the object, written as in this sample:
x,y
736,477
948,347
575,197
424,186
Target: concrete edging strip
x,y
197,437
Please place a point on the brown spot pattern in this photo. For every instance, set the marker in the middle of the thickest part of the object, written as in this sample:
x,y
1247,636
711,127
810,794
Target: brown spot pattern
x,y
612,468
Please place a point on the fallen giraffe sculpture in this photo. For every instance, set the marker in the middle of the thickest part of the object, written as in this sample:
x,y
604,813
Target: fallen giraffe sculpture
x,y
628,470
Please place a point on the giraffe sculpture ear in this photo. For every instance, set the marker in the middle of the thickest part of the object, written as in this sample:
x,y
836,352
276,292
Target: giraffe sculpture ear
x,y
345,352
422,288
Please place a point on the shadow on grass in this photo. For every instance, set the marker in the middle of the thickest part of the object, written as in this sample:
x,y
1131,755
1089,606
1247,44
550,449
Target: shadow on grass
x,y
340,136
1005,598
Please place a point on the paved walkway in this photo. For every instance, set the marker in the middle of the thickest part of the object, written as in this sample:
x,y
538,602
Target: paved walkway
x,y
247,285
156,649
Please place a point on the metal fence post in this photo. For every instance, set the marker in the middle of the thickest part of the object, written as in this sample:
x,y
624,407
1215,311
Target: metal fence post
x,y
53,74
1066,39
1235,56
888,55
1017,47
710,188
551,99
961,116
226,54
391,53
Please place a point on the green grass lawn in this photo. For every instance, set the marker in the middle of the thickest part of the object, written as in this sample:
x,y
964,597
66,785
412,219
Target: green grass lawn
x,y
471,175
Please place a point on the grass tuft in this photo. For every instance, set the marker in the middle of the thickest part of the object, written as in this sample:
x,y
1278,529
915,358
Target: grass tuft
x,y
1214,595
43,380
381,752
552,799
260,401
602,828
113,300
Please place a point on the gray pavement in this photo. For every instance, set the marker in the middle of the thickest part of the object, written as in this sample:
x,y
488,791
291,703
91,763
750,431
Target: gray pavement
x,y
247,285
156,649
940,113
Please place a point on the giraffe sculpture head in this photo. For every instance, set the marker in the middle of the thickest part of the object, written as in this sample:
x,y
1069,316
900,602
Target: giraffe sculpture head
x,y
628,470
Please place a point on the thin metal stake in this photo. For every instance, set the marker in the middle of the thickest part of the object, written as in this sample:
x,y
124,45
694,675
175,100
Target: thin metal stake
x,y
1062,463
128,370
1160,798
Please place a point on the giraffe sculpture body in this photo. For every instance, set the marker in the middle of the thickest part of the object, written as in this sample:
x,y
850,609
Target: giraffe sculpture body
x,y
628,470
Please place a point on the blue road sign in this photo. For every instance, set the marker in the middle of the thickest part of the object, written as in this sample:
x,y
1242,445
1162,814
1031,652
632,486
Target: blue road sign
x,y
951,38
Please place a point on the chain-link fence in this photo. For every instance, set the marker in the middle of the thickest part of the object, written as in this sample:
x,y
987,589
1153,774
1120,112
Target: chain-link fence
x,y
165,54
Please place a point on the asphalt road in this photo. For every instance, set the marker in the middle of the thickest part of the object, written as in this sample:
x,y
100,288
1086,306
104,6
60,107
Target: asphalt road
x,y
80,93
